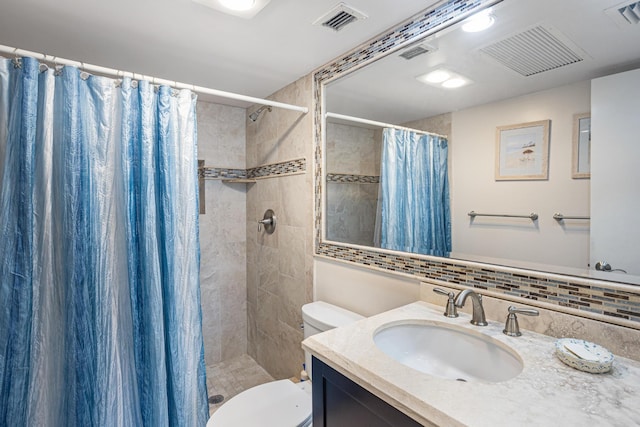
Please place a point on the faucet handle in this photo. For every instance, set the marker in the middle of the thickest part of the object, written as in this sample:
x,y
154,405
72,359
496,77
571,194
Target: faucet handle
x,y
511,326
527,311
451,310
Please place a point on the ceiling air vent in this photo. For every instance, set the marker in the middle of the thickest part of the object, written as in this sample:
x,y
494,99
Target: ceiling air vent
x,y
339,17
535,51
418,50
626,13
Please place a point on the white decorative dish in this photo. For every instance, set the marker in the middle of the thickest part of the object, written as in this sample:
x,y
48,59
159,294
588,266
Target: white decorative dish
x,y
584,355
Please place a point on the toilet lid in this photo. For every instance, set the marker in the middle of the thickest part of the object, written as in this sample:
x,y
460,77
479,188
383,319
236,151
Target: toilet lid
x,y
277,403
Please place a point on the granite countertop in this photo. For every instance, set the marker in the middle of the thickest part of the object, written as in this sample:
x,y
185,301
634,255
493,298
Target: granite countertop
x,y
545,393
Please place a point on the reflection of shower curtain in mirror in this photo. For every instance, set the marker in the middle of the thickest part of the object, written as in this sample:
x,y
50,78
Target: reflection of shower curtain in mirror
x,y
413,206
100,320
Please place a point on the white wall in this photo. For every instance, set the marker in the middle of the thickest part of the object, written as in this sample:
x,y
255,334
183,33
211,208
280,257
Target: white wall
x,y
363,291
473,184
615,154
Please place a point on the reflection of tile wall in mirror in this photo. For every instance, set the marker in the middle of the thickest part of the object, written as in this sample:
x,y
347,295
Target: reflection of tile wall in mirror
x,y
353,163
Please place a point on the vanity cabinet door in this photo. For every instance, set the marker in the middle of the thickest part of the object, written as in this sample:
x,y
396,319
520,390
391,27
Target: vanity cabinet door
x,y
339,402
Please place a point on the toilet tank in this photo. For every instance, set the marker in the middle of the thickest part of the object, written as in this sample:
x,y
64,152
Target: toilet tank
x,y
319,316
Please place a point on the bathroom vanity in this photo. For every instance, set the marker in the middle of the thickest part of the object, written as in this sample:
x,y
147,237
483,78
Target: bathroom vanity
x,y
355,381
338,401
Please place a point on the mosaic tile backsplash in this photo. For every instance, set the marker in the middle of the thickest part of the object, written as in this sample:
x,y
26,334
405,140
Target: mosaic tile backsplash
x,y
589,297
566,293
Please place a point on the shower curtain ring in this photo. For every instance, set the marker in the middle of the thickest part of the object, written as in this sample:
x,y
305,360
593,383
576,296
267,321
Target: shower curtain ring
x,y
84,75
17,61
57,68
43,66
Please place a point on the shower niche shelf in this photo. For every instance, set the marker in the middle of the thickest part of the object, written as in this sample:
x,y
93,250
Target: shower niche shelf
x,y
239,181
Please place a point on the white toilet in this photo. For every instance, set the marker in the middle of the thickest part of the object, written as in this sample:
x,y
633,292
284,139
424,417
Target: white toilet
x,y
283,403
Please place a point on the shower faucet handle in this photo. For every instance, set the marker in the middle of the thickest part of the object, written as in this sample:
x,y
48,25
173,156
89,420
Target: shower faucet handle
x,y
451,310
262,222
269,222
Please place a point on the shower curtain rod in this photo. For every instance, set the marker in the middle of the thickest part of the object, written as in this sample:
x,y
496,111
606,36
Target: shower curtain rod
x,y
154,80
380,124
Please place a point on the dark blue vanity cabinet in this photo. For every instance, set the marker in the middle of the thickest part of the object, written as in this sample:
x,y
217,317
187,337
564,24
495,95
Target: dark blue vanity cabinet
x,y
339,402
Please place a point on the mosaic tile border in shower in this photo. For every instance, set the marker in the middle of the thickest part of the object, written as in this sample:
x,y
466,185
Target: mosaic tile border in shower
x,y
584,295
264,171
593,298
355,179
221,173
275,169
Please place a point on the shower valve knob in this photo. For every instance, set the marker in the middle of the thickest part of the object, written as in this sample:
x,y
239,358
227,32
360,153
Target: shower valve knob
x,y
265,222
269,222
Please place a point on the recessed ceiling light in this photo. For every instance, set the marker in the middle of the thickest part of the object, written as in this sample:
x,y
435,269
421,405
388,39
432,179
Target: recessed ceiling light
x,y
437,76
442,77
455,82
238,5
242,8
478,22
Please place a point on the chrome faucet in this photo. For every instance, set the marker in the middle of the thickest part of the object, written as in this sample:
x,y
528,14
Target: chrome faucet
x,y
477,317
450,311
511,326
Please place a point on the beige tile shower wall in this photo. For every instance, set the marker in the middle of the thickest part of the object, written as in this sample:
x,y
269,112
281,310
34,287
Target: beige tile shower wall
x,y
221,143
351,206
440,124
279,265
352,150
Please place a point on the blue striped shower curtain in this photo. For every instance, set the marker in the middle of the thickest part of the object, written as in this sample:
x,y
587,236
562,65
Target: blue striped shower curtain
x,y
413,203
100,321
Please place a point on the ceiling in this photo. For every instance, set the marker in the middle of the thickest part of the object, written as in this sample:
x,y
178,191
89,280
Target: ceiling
x,y
388,91
190,43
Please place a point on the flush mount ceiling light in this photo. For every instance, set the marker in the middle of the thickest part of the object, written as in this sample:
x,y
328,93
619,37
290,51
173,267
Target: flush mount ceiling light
x,y
454,83
478,22
238,5
437,76
443,78
246,9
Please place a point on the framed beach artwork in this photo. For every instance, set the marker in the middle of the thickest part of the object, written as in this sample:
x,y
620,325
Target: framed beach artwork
x,y
522,151
581,167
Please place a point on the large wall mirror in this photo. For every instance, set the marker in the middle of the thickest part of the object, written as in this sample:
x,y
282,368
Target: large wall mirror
x,y
497,110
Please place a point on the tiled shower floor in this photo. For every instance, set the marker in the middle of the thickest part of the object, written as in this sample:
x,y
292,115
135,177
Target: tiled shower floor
x,y
233,376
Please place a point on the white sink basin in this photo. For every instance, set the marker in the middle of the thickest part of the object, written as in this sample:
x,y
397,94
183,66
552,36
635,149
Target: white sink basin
x,y
447,351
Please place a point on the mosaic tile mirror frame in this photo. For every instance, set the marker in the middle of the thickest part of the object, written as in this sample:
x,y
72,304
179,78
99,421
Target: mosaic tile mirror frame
x,y
607,301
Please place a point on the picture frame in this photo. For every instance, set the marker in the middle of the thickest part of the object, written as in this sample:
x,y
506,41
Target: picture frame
x,y
522,151
581,158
